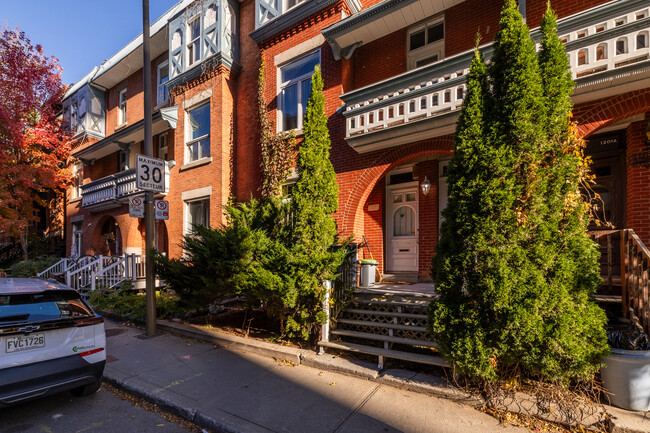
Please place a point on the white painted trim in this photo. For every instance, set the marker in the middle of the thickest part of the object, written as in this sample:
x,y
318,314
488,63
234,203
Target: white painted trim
x,y
197,100
196,194
298,50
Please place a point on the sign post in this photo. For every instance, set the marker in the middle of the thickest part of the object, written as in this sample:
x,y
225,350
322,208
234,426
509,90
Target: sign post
x,y
148,176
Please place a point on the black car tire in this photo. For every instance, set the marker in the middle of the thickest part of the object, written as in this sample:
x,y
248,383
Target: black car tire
x,y
89,389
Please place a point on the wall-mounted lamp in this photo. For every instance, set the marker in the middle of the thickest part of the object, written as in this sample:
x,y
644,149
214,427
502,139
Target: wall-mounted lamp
x,y
647,135
425,185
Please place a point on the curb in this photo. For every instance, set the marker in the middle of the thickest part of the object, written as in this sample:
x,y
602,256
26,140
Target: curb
x,y
172,407
402,379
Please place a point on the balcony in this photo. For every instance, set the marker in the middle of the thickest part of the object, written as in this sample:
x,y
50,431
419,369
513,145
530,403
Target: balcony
x,y
113,191
608,49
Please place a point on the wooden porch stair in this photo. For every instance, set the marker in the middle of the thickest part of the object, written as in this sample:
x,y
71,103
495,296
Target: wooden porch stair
x,y
387,326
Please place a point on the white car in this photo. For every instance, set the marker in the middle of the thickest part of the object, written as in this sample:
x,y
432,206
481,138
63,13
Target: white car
x,y
50,341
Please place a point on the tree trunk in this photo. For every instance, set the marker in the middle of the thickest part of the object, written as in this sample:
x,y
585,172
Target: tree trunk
x,y
23,243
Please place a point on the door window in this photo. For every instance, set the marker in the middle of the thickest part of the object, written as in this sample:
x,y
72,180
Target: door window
x,y
404,221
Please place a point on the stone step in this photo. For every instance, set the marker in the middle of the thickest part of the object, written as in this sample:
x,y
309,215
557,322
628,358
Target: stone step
x,y
423,304
382,325
387,353
608,299
385,313
386,338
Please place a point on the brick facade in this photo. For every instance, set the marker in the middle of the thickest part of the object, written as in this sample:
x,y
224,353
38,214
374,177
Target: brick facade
x,y
234,169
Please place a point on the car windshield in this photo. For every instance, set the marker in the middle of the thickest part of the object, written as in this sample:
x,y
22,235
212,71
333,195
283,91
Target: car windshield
x,y
36,307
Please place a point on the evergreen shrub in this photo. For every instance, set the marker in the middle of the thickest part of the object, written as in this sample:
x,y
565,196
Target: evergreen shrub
x,y
515,266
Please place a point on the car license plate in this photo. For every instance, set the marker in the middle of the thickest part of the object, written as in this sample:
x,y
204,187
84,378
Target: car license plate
x,y
25,342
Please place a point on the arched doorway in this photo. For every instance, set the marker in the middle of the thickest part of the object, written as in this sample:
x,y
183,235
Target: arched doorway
x,y
111,238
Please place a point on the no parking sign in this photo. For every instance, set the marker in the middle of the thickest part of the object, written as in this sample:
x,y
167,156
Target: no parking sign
x,y
136,206
162,209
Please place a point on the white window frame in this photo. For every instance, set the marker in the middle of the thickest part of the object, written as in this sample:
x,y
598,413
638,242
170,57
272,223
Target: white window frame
x,y
436,48
121,107
81,115
162,92
286,7
77,236
190,141
282,85
163,147
192,42
77,177
187,226
123,159
74,120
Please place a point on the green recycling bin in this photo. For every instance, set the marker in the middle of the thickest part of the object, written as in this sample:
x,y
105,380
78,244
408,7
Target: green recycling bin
x,y
367,278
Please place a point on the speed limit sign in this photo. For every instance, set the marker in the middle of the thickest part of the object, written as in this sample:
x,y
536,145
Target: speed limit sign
x,y
150,173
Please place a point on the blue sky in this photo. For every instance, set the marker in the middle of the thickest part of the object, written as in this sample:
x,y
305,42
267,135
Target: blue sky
x,y
80,33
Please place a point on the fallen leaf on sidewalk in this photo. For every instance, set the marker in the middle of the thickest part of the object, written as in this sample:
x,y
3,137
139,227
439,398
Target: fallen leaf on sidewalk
x,y
333,383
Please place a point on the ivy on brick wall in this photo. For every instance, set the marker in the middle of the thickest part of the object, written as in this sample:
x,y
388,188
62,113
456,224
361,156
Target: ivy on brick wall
x,y
278,149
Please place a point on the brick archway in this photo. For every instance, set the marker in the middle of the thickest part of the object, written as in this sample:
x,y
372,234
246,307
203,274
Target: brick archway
x,y
594,116
351,212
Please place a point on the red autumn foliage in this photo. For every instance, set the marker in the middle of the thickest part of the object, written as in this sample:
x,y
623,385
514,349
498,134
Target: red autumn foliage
x,y
33,145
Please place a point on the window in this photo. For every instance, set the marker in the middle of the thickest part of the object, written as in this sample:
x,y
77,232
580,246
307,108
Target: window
x,y
121,115
291,3
194,43
426,43
642,40
162,147
198,214
73,118
198,133
123,160
77,179
163,77
621,46
81,115
77,239
295,88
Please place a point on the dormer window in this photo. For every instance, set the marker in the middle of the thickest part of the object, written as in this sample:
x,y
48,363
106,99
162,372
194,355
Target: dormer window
x,y
426,43
73,118
291,3
194,43
81,116
267,10
84,112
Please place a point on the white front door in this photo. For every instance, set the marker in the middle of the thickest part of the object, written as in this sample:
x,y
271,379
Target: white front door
x,y
402,227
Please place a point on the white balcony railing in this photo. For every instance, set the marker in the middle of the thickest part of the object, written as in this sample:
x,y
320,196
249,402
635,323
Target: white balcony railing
x,y
607,44
112,188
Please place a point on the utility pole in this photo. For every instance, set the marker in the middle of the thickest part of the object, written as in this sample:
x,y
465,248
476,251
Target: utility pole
x,y
148,198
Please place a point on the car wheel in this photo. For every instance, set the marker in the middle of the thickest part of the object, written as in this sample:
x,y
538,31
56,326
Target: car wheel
x,y
89,389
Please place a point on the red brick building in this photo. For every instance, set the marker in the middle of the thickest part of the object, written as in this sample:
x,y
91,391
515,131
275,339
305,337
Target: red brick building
x,y
394,74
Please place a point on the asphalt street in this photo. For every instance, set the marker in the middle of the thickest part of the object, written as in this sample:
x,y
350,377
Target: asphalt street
x,y
103,412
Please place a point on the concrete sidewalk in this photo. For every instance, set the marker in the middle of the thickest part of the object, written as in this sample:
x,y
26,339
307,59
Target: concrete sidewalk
x,y
234,384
